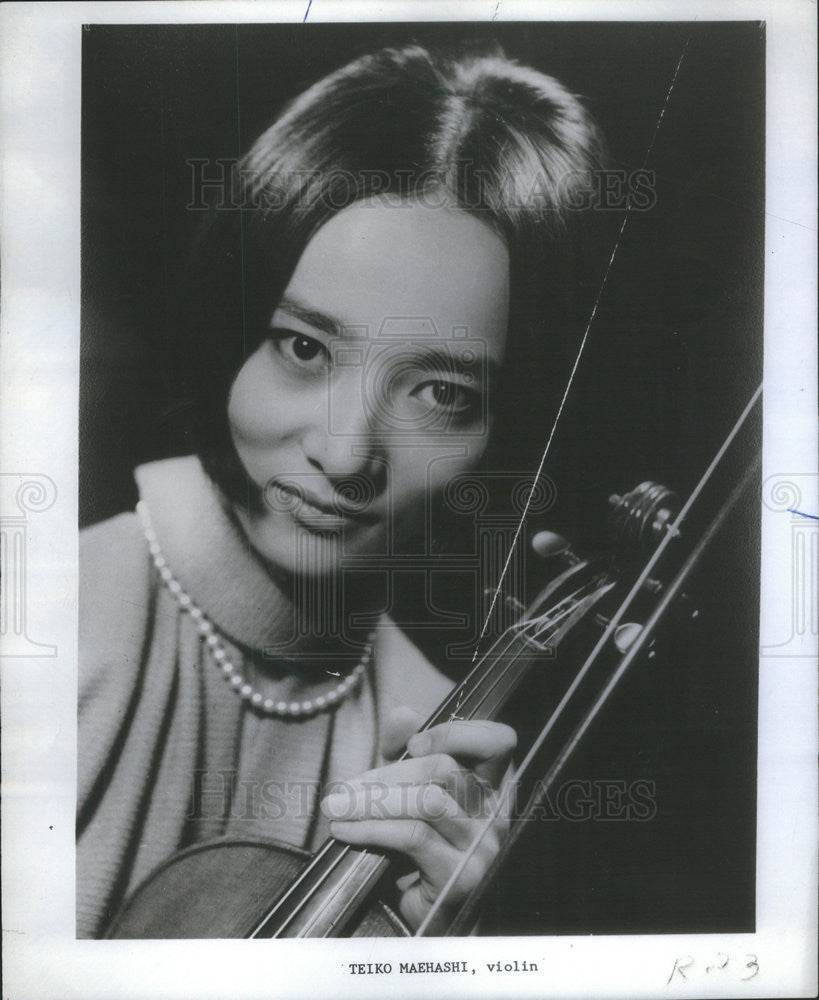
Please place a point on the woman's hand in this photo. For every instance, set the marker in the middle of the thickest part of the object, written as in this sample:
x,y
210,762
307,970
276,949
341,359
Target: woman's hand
x,y
430,807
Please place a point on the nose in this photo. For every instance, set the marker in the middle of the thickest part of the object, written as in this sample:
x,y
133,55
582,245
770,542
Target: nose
x,y
340,440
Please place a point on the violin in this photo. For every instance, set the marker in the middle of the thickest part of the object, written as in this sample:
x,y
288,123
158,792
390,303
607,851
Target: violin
x,y
592,621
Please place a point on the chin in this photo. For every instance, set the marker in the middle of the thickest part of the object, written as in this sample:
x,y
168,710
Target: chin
x,y
301,550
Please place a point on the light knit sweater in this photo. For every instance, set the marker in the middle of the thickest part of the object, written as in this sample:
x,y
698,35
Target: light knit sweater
x,y
168,752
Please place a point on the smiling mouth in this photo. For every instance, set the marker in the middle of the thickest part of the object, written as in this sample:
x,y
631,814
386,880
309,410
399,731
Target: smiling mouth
x,y
312,509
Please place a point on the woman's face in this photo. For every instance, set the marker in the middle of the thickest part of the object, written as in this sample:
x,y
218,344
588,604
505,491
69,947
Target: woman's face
x,y
373,388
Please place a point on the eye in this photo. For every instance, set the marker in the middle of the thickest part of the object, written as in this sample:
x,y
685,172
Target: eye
x,y
305,348
300,349
450,397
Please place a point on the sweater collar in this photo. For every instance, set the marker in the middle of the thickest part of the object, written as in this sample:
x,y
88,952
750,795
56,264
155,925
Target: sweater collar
x,y
208,553
213,561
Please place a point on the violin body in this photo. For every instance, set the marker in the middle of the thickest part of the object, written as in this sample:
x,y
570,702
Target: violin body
x,y
222,888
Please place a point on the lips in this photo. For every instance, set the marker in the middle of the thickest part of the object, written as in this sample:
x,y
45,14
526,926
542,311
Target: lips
x,y
306,504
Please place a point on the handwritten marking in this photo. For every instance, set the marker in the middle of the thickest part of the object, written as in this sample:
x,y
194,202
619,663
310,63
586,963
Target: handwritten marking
x,y
686,964
753,964
710,968
309,5
680,965
801,513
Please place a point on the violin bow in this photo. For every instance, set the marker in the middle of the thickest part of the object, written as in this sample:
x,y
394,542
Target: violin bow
x,y
468,909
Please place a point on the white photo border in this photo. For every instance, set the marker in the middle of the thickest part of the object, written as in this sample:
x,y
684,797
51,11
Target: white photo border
x,y
40,46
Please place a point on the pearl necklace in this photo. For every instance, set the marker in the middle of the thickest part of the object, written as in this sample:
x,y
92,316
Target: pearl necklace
x,y
232,672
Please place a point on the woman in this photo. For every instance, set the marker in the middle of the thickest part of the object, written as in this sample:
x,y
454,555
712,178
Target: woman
x,y
398,254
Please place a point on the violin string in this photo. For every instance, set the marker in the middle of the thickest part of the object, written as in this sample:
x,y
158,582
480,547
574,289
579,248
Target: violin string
x,y
672,531
538,625
564,613
538,628
513,631
328,900
282,900
592,316
330,844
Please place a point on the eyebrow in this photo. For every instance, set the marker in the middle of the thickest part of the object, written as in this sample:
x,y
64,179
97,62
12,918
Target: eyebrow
x,y
448,361
319,320
444,359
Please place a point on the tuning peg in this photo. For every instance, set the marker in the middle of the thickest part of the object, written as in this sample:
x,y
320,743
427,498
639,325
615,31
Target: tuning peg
x,y
625,635
548,544
509,601
642,517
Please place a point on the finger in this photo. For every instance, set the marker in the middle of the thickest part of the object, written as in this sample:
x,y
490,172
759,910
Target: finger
x,y
468,791
487,746
435,858
410,879
419,897
415,902
429,803
399,725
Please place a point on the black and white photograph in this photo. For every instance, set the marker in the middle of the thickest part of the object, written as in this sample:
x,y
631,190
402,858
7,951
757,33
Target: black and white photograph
x,y
334,349
426,400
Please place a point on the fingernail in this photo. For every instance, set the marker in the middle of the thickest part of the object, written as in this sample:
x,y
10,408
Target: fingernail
x,y
419,744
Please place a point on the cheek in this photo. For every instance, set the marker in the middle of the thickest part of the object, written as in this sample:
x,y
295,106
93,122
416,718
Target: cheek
x,y
237,409
419,472
255,412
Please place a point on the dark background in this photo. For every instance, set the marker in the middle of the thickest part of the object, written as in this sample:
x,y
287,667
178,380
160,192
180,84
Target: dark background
x,y
672,359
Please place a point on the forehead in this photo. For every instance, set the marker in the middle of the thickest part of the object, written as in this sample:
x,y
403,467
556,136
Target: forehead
x,y
378,264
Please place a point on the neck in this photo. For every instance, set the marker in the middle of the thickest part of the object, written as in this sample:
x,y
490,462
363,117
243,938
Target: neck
x,y
315,628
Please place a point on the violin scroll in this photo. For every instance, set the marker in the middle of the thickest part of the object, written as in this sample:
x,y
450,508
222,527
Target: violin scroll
x,y
641,518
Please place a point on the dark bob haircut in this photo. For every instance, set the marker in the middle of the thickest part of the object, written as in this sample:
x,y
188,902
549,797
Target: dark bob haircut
x,y
504,142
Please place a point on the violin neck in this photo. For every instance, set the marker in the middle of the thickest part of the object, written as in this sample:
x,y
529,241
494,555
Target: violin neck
x,y
340,879
327,895
487,689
